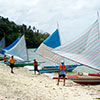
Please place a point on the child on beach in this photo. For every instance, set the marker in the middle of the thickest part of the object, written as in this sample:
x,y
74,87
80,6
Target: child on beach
x,y
62,72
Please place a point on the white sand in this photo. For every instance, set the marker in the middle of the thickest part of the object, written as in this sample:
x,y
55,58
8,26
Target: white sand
x,y
24,85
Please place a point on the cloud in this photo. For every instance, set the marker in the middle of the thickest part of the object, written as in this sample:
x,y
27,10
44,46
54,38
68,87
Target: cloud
x,y
73,16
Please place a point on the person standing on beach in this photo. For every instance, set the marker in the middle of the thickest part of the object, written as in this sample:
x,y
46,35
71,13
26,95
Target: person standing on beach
x,y
62,72
5,58
35,63
12,61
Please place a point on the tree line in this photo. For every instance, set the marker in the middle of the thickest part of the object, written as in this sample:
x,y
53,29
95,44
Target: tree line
x,y
11,31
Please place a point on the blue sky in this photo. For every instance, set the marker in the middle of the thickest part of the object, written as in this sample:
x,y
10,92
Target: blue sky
x,y
73,16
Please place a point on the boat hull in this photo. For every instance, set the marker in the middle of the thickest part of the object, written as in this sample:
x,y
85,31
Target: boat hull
x,y
94,74
53,69
23,64
59,78
84,79
20,63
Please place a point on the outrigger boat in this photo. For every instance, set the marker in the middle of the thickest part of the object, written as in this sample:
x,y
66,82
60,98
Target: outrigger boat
x,y
19,51
54,69
84,79
84,50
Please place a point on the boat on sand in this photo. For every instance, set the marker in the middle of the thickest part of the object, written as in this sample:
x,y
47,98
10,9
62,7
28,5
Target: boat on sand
x,y
84,79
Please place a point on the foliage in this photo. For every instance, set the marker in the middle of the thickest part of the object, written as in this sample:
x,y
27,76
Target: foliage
x,y
11,31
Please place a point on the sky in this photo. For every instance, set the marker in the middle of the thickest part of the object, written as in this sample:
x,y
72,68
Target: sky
x,y
73,16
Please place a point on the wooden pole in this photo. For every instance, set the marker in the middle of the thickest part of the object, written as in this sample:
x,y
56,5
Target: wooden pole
x,y
25,44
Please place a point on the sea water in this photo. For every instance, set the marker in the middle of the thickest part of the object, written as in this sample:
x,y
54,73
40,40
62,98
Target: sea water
x,y
46,62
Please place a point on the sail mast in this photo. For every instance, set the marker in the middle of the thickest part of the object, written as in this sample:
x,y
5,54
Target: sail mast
x,y
4,40
59,33
60,40
25,44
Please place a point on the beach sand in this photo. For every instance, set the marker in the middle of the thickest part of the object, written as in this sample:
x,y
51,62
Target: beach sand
x,y
24,85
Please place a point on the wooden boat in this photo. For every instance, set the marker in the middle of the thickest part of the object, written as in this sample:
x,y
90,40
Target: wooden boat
x,y
84,79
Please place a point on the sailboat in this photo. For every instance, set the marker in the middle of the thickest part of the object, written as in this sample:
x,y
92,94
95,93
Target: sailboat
x,y
84,50
52,42
4,49
11,45
2,45
19,51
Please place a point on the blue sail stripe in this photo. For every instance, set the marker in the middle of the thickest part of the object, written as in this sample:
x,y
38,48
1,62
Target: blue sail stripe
x,y
96,61
79,39
78,45
90,45
91,52
87,53
75,49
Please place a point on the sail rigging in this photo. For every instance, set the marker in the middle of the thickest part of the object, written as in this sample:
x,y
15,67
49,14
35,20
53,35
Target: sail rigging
x,y
85,49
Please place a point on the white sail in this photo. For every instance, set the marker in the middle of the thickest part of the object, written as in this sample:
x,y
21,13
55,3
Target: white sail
x,y
19,51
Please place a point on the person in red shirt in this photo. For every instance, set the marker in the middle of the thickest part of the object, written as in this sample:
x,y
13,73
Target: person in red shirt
x,y
35,63
5,58
62,72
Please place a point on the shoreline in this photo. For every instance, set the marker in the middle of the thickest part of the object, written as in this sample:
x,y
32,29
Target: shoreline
x,y
24,85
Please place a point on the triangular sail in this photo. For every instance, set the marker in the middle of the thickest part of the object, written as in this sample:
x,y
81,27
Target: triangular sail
x,y
84,50
11,45
19,50
2,44
50,43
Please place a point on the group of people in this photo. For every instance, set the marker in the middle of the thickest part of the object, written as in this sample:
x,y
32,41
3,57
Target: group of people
x,y
11,61
61,72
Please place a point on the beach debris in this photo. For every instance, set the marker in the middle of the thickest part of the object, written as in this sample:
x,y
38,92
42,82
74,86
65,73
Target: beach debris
x,y
97,97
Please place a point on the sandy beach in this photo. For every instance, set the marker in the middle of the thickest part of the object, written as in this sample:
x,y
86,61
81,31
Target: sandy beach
x,y
24,85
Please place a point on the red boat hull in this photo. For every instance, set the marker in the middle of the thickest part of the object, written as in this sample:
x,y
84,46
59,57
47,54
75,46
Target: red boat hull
x,y
85,79
60,78
94,74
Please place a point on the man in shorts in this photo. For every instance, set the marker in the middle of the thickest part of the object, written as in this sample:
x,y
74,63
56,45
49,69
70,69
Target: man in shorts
x,y
62,72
